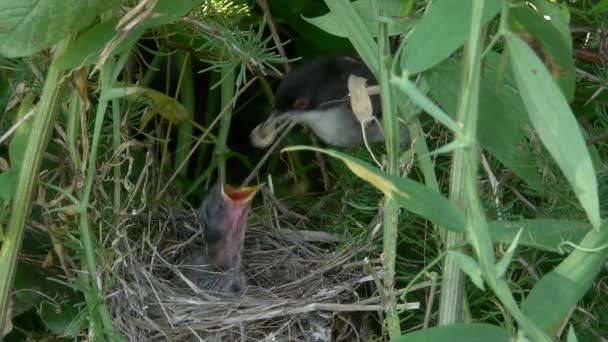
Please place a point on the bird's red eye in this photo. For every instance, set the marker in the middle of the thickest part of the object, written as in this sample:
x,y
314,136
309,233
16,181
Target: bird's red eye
x,y
301,103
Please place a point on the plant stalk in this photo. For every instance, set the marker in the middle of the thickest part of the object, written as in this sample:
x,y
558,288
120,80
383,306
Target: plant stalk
x,y
391,208
42,128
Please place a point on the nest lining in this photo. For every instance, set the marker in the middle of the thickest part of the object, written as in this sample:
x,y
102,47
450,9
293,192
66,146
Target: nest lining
x,y
298,290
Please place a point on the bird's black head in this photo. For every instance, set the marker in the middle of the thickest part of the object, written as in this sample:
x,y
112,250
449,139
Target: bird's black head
x,y
317,84
223,216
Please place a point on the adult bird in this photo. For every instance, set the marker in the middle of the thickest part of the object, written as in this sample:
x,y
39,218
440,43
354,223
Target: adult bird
x,y
316,94
223,218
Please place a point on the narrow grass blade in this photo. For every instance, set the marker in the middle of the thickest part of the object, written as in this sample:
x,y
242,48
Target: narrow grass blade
x,y
411,195
469,266
555,124
503,264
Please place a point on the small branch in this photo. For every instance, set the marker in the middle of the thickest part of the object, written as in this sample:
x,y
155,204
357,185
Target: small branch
x,y
273,31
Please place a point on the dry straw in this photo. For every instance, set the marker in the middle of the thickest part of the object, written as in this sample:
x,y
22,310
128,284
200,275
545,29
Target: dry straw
x,y
299,289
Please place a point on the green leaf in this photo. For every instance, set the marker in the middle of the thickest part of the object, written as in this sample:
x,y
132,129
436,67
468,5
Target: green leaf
x,y
555,124
352,24
8,184
55,302
502,116
442,30
472,332
559,18
63,318
330,24
544,234
88,46
29,26
411,195
469,266
558,291
550,43
571,335
503,264
155,101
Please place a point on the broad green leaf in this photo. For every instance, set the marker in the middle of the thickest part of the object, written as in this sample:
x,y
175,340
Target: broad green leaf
x,y
63,318
88,46
8,184
16,148
156,103
411,195
472,332
29,26
555,124
502,116
353,26
55,302
549,42
558,291
469,266
368,13
503,264
442,30
544,234
558,16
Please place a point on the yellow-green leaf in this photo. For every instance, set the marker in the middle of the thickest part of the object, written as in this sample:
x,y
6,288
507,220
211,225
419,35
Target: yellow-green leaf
x,y
156,103
411,195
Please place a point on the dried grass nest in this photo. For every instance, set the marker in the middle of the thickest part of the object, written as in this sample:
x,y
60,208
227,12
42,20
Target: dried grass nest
x,y
301,285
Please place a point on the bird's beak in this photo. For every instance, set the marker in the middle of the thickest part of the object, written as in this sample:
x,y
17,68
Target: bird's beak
x,y
265,133
239,201
239,194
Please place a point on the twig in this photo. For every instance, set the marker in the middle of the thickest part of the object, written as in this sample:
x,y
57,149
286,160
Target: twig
x,y
18,124
256,169
274,33
429,305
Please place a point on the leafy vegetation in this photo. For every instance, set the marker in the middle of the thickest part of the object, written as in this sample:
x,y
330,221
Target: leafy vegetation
x,y
493,218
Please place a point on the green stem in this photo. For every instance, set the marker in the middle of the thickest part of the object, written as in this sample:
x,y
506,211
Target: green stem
x,y
72,129
391,208
116,119
227,94
41,132
107,80
184,138
466,163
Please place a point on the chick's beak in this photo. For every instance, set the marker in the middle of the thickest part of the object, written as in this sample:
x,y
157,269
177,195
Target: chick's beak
x,y
239,201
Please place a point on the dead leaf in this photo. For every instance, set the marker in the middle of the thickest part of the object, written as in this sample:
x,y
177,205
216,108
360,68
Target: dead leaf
x,y
360,100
